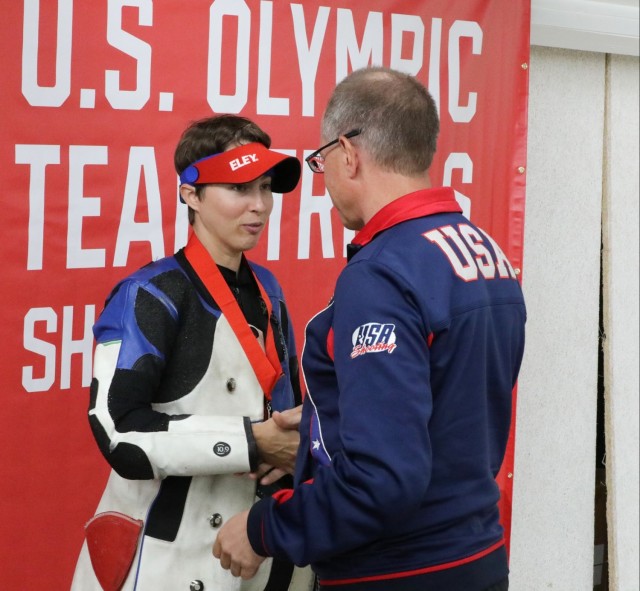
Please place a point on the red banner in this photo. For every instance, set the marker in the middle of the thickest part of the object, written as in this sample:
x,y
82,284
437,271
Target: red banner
x,y
95,96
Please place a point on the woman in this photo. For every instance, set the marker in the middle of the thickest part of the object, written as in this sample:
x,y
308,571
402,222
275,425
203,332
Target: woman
x,y
194,352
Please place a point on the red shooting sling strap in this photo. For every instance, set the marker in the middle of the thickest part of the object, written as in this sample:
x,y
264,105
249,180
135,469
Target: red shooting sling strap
x,y
266,366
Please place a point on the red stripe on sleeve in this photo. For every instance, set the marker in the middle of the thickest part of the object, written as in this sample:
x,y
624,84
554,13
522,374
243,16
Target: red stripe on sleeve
x,y
330,343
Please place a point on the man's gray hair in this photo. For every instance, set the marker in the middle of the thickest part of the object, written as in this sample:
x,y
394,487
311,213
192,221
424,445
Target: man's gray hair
x,y
397,117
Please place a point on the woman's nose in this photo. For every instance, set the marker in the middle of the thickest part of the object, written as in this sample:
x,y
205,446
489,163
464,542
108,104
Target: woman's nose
x,y
259,201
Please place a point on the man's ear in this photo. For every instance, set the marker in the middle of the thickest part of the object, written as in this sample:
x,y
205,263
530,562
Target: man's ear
x,y
350,156
189,196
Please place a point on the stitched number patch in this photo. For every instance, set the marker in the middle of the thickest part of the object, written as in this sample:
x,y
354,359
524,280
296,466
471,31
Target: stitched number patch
x,y
222,449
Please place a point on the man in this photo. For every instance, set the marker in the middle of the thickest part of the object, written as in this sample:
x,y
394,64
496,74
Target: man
x,y
409,372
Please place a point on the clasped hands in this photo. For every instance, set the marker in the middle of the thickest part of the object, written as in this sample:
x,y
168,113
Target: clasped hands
x,y
277,440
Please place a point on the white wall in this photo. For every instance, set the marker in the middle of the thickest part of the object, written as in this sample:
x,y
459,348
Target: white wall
x,y
605,26
620,233
553,498
580,104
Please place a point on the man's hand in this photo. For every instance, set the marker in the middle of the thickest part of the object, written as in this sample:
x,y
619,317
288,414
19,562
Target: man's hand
x,y
278,441
288,419
234,550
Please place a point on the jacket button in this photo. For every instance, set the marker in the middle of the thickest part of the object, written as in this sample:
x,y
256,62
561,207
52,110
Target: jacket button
x,y
231,384
215,520
196,586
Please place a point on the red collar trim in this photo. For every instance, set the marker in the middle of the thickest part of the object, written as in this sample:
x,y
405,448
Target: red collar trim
x,y
411,206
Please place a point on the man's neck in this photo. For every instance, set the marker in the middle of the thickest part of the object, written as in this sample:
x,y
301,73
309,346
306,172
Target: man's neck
x,y
385,187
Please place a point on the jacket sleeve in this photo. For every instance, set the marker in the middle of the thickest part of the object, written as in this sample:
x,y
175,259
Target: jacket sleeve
x,y
137,436
379,473
283,329
292,361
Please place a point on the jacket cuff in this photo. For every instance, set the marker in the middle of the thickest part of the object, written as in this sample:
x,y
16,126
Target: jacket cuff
x,y
255,526
252,446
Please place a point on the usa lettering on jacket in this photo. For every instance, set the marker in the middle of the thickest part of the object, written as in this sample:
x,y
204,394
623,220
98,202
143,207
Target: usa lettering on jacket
x,y
471,245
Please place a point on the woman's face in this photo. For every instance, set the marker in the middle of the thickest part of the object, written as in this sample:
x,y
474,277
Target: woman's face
x,y
232,218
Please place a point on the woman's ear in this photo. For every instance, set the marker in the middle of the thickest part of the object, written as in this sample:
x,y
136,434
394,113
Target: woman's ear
x,y
189,195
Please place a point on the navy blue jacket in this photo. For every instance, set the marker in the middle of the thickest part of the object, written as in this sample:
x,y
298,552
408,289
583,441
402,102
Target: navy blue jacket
x,y
409,373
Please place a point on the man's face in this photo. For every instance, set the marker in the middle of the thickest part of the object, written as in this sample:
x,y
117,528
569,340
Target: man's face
x,y
341,187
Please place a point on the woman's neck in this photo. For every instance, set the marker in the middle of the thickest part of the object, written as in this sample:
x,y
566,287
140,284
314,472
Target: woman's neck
x,y
219,255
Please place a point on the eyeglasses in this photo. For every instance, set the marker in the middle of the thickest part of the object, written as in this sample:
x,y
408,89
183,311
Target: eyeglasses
x,y
316,160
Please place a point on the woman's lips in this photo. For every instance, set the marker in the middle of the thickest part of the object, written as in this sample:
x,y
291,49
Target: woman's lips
x,y
253,228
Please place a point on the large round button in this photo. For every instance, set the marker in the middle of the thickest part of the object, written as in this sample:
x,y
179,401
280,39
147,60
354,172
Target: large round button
x,y
196,586
215,520
231,384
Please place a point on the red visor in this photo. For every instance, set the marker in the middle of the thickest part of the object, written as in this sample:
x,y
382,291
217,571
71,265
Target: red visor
x,y
243,165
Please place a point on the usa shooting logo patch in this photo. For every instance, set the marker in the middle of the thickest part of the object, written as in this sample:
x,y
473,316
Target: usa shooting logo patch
x,y
373,337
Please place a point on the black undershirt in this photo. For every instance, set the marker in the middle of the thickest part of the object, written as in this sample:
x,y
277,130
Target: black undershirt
x,y
244,287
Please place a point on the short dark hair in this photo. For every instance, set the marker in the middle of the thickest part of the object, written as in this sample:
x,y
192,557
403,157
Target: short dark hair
x,y
213,135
